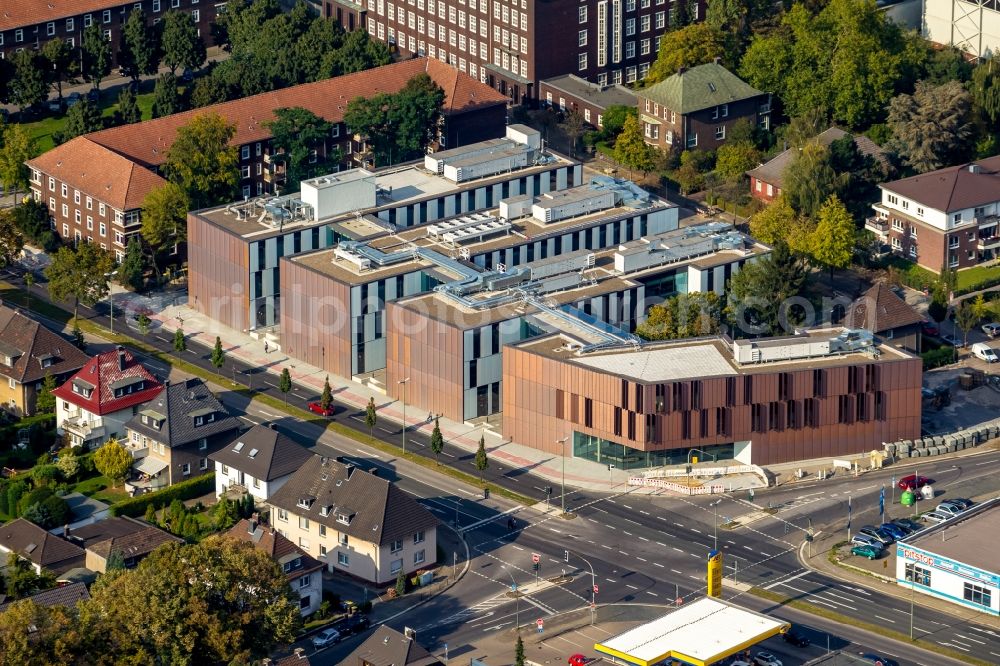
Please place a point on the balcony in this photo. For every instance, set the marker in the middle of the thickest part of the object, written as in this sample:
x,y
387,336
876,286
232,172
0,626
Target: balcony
x,y
877,226
991,243
274,158
83,429
276,175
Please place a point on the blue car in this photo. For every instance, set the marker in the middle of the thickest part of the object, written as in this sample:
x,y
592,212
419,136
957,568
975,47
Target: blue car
x,y
896,531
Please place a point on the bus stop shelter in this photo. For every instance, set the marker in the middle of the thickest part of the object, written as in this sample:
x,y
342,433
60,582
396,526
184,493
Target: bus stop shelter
x,y
701,633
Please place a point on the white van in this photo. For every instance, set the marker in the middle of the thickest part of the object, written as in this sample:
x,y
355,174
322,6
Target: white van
x,y
983,351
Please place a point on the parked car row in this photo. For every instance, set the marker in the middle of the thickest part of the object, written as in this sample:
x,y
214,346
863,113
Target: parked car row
x,y
948,508
350,625
871,541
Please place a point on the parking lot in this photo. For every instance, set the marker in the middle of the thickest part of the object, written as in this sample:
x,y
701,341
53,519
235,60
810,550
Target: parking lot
x,y
968,407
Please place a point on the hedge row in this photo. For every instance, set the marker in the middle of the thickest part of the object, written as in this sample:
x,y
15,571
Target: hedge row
x,y
935,358
185,490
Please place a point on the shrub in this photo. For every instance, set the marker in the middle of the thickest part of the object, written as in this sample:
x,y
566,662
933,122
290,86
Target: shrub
x,y
136,506
936,358
43,475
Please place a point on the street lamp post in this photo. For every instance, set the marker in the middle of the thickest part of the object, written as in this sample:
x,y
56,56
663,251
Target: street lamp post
x,y
716,504
562,443
404,382
517,599
111,300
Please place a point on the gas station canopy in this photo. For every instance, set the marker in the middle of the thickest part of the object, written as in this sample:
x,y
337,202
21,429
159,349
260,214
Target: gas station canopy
x,y
700,633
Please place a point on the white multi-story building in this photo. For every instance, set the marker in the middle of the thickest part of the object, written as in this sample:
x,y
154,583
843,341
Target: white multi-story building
x,y
258,461
972,26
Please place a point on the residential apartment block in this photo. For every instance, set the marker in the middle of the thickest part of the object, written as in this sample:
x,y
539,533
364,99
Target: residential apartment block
x,y
943,219
511,45
32,23
697,107
354,522
94,185
29,352
819,394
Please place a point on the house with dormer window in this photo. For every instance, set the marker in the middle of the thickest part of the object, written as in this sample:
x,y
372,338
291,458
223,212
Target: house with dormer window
x,y
172,435
96,402
304,572
354,521
258,461
28,352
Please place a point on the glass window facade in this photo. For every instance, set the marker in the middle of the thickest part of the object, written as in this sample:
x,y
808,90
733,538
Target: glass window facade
x,y
591,447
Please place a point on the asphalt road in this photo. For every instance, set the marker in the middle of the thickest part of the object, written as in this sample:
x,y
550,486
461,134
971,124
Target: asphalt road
x,y
643,548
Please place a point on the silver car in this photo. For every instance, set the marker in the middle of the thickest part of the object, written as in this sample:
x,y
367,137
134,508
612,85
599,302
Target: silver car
x,y
992,329
936,517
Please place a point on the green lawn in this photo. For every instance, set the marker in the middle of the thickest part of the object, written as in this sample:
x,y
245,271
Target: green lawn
x,y
99,487
42,131
969,278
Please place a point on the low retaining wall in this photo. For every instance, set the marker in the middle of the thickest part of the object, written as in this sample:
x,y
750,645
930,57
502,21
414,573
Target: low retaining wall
x,y
934,445
680,488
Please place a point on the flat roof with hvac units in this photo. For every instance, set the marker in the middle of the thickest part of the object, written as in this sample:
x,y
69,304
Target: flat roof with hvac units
x,y
700,633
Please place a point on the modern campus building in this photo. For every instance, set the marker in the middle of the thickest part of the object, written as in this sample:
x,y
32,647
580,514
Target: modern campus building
x,y
94,185
955,560
30,24
945,218
971,25
235,250
820,393
512,45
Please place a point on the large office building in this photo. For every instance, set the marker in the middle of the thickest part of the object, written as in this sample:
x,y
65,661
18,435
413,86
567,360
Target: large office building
x,y
95,184
32,23
955,560
820,393
949,217
971,25
235,250
511,45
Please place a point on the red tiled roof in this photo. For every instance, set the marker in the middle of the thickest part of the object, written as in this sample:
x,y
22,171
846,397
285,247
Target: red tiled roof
x,y
103,371
30,12
102,173
148,142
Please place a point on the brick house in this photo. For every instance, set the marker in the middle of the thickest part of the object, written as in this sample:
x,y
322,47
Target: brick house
x,y
354,522
943,218
30,24
512,46
28,352
95,403
572,93
95,184
695,108
172,435
767,179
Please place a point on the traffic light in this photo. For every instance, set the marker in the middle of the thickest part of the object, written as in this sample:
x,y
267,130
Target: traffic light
x,y
548,490
534,566
565,556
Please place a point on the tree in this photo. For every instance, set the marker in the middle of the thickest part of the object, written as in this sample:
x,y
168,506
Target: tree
x,y
966,319
82,118
809,180
371,417
682,316
22,581
757,301
180,342
931,128
182,47
127,109
209,90
519,652
803,128
45,402
734,158
28,87
78,340
95,54
774,223
166,98
573,127
11,239
985,89
144,323
164,221
482,462
80,274
140,49
18,148
68,464
298,132
218,357
437,440
326,398
687,47
54,639
680,15
217,601
613,121
61,60
631,150
979,307
400,588
285,384
113,461
131,268
202,162
833,241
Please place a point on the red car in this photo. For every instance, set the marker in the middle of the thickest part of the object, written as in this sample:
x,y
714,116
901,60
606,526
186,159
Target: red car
x,y
929,327
913,481
317,408
577,660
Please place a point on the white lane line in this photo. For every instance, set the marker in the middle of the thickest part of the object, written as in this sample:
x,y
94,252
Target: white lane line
x,y
611,580
677,549
645,513
885,619
628,533
628,507
787,580
643,538
693,529
622,552
679,573
694,577
953,645
642,559
518,547
678,525
652,594
657,564
966,638
660,543
694,555
604,545
631,587
748,548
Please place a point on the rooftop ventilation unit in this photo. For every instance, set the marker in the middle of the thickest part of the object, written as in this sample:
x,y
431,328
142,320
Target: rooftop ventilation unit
x,y
802,346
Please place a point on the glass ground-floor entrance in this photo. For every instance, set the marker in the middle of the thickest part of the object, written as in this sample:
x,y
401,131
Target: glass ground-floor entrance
x,y
621,456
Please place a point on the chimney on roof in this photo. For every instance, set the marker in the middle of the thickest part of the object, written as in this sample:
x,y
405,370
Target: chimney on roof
x,y
121,357
272,425
252,526
717,60
681,70
349,468
65,531
300,653
974,168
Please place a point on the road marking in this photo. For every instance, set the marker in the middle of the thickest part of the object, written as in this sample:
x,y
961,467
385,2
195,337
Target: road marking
x,y
694,555
629,520
971,639
641,559
748,548
678,525
374,455
677,549
694,529
622,552
885,619
661,517
628,533
787,580
555,530
645,513
631,587
657,564
610,527
268,414
644,538
518,547
605,546
628,507
730,541
679,573
695,577
652,594
660,543
953,645
611,580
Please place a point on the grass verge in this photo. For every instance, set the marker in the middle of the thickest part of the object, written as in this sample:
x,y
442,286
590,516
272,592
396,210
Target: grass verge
x,y
881,630
87,326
